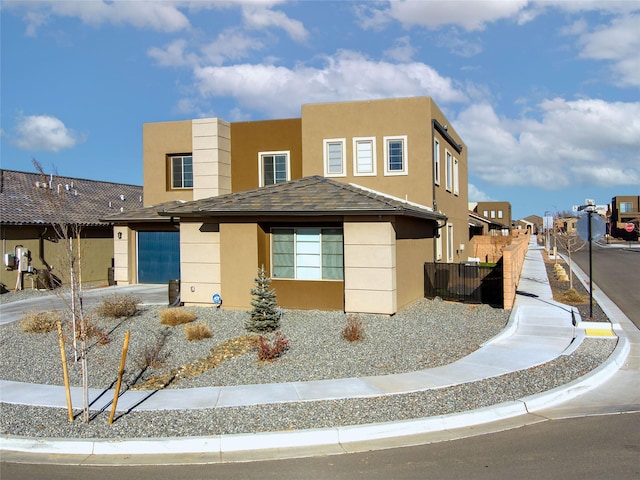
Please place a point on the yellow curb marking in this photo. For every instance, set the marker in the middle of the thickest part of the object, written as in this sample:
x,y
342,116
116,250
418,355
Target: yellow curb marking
x,y
592,332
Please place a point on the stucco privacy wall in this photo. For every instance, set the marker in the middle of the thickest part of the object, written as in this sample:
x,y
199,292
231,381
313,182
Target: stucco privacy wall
x,y
513,259
199,262
370,267
211,139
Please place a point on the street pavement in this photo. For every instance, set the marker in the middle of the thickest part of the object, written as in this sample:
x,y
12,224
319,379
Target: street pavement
x,y
538,331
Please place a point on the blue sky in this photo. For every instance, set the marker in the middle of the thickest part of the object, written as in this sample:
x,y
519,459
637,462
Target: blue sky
x,y
546,95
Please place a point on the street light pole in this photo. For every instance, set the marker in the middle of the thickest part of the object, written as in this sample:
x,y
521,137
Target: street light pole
x,y
590,212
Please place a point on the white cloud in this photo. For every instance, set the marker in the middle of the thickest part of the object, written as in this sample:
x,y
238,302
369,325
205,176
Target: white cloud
x,y
231,44
279,91
44,133
258,17
162,16
402,51
477,195
619,43
582,142
173,55
470,15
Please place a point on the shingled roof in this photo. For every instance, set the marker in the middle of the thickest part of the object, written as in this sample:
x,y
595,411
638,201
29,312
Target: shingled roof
x,y
309,196
26,199
144,214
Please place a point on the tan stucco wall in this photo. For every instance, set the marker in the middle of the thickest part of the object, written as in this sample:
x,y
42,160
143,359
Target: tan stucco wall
x,y
309,295
211,158
391,117
377,119
200,263
159,140
239,263
370,267
414,247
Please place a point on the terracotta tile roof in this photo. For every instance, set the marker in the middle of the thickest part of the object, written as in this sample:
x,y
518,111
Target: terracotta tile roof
x,y
309,196
35,199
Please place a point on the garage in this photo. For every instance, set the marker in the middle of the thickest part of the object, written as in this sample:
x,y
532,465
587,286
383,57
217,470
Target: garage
x,y
158,256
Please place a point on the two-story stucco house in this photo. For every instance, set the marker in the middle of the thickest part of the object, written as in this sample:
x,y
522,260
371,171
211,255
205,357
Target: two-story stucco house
x,y
342,206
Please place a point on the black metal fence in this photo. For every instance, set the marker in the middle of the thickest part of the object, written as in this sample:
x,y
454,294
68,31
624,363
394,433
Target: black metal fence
x,y
462,282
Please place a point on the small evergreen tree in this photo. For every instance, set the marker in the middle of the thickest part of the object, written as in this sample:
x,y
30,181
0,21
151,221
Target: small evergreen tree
x,y
265,316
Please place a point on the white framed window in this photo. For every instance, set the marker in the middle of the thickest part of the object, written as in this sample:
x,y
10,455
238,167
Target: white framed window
x,y
273,167
395,155
449,171
493,214
307,253
335,157
436,162
181,171
364,156
485,213
456,183
449,243
500,214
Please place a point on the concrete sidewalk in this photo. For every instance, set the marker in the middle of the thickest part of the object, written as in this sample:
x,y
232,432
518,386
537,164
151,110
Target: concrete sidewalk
x,y
539,330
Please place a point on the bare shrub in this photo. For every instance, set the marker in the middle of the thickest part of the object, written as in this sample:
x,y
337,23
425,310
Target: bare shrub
x,y
198,331
176,316
91,330
153,355
571,296
118,306
40,322
269,351
354,330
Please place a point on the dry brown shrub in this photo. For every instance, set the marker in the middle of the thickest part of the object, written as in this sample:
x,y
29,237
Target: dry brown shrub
x,y
354,330
176,316
40,322
571,296
91,330
198,331
118,306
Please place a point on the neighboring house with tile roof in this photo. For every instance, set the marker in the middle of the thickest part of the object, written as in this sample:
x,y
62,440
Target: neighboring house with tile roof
x,y
32,203
342,206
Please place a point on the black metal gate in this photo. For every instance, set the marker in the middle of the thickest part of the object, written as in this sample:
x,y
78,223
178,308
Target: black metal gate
x,y
463,282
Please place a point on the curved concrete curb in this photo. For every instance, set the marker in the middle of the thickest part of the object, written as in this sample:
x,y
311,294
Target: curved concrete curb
x,y
222,448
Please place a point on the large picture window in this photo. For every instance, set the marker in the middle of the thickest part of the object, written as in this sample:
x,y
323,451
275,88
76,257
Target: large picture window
x,y
307,253
273,167
181,171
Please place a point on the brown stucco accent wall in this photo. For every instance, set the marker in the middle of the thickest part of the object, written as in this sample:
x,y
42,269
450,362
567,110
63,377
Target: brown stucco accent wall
x,y
158,141
250,138
238,263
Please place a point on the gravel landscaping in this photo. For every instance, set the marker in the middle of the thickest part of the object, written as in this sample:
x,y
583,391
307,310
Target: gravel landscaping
x,y
428,334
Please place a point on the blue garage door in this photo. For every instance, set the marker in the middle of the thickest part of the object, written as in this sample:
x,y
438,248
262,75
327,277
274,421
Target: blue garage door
x,y
158,256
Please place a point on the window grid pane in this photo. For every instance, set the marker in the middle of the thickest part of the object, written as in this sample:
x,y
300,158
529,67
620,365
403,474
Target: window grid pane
x,y
364,156
308,253
395,155
334,157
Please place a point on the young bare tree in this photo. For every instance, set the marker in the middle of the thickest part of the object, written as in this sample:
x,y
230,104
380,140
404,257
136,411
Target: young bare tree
x,y
571,243
67,231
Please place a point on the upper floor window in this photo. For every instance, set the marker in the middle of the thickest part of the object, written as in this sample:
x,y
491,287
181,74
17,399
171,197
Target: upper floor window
x,y
273,167
364,156
500,214
493,214
334,157
181,171
626,207
395,155
307,253
449,172
456,182
436,162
